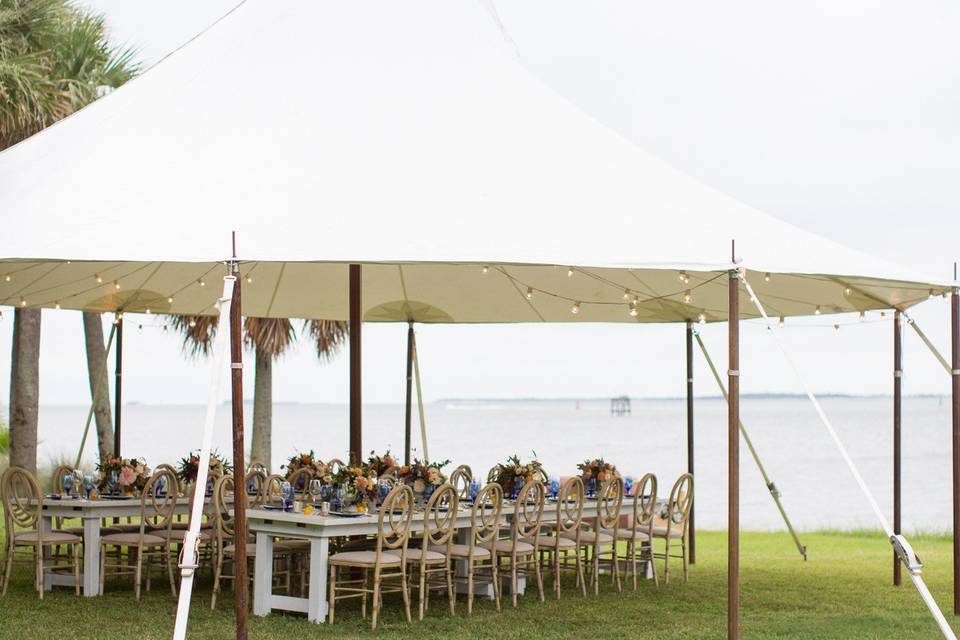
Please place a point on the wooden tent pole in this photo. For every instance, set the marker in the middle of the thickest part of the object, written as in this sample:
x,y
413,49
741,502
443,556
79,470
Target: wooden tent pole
x,y
955,399
733,459
239,506
692,532
408,417
118,387
356,320
897,415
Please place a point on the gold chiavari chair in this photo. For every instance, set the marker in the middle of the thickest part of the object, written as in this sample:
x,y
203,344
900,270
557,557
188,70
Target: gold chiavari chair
x,y
387,562
434,556
461,478
484,529
335,464
599,541
156,516
674,526
300,481
639,533
520,555
258,467
224,541
22,512
566,533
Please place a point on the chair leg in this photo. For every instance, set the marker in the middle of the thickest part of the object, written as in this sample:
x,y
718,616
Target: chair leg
x,y
217,571
666,561
333,593
632,551
513,580
616,566
653,564
556,572
423,588
683,550
539,574
76,568
595,578
497,587
470,586
581,578
138,573
38,579
448,572
103,565
376,599
8,564
405,589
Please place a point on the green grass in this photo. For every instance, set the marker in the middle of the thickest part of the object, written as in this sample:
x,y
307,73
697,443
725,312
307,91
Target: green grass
x,y
843,591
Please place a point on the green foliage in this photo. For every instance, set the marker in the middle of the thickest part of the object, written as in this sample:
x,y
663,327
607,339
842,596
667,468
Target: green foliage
x,y
4,440
55,58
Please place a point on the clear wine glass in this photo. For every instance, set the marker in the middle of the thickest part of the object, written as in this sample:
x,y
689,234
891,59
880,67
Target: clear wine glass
x,y
112,482
77,482
315,488
67,484
628,485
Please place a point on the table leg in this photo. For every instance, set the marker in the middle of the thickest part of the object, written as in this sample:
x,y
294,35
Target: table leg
x,y
91,557
263,574
317,605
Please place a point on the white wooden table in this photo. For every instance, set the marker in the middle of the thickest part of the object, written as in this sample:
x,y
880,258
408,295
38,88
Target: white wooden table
x,y
268,525
90,513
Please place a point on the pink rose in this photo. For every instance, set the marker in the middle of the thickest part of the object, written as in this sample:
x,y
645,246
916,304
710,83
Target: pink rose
x,y
127,476
361,483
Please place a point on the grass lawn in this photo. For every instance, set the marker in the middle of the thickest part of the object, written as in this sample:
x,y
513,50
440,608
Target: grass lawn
x,y
843,591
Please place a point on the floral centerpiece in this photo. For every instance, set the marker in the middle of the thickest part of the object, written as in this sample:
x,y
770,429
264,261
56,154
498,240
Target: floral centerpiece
x,y
131,474
188,466
597,469
512,474
423,477
380,464
308,460
361,482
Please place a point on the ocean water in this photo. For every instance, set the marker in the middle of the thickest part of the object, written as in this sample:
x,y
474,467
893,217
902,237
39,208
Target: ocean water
x,y
817,489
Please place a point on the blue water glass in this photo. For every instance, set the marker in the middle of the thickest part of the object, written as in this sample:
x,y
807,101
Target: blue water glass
x,y
474,490
68,484
286,490
592,487
517,485
554,488
628,485
112,482
161,489
428,491
384,491
89,482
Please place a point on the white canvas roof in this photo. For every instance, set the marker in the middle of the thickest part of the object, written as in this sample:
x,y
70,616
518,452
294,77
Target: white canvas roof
x,y
406,136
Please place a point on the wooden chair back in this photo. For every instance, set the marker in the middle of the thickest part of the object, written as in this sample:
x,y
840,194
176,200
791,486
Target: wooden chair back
x,y
609,503
485,514
461,478
570,505
22,500
681,499
644,503
393,523
158,501
440,516
300,481
56,479
528,510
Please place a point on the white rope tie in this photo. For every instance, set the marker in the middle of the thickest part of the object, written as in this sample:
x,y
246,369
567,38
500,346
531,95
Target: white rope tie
x,y
901,546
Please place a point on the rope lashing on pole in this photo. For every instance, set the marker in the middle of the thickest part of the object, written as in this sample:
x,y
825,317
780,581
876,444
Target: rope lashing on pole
x,y
96,395
771,487
936,353
423,422
189,555
902,548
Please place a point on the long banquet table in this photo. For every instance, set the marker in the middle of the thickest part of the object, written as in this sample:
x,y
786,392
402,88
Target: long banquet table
x,y
269,524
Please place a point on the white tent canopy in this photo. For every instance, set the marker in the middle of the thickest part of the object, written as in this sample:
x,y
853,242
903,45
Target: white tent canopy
x,y
403,136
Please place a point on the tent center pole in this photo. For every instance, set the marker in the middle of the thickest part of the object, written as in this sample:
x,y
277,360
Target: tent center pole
x,y
239,468
118,386
897,416
692,536
356,319
733,459
408,417
955,401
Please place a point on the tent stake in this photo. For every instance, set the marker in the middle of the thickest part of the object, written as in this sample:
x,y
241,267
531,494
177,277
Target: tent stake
x,y
897,416
93,403
356,319
408,416
733,459
774,492
118,386
692,532
423,422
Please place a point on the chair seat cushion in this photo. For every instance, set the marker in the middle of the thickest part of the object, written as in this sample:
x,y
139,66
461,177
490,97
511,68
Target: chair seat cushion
x,y
430,556
463,551
506,546
626,534
53,537
133,539
588,537
554,542
364,559
660,531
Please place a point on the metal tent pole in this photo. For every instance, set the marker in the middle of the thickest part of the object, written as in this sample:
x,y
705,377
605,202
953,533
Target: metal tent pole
x,y
771,487
692,531
239,505
733,458
118,387
955,402
356,320
408,416
897,415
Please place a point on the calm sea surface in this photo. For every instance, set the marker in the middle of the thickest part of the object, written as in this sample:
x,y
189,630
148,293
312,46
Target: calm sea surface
x,y
817,489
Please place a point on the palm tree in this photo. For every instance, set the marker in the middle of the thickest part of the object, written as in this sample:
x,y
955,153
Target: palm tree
x,y
269,338
54,59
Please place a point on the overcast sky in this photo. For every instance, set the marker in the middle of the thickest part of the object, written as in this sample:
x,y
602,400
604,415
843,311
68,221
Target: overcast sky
x,y
838,116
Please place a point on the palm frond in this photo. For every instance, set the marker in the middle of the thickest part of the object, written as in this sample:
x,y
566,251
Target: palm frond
x,y
328,336
198,333
269,336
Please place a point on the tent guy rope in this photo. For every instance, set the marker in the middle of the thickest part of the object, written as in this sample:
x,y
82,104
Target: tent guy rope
x,y
901,546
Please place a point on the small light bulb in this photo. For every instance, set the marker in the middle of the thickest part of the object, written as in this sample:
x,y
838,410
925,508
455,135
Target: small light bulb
x,y
846,291
118,318
766,277
687,298
170,300
148,311
931,293
7,277
570,272
702,318
575,309
486,269
201,283
782,320
633,312
863,316
116,285
684,277
193,323
249,280
817,310
626,294
98,278
529,293
56,305
23,302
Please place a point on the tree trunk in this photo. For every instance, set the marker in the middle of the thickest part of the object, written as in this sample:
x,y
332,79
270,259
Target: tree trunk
x,y
261,447
25,388
99,382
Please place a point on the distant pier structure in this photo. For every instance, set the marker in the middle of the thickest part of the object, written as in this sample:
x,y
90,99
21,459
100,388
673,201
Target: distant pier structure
x,y
620,406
